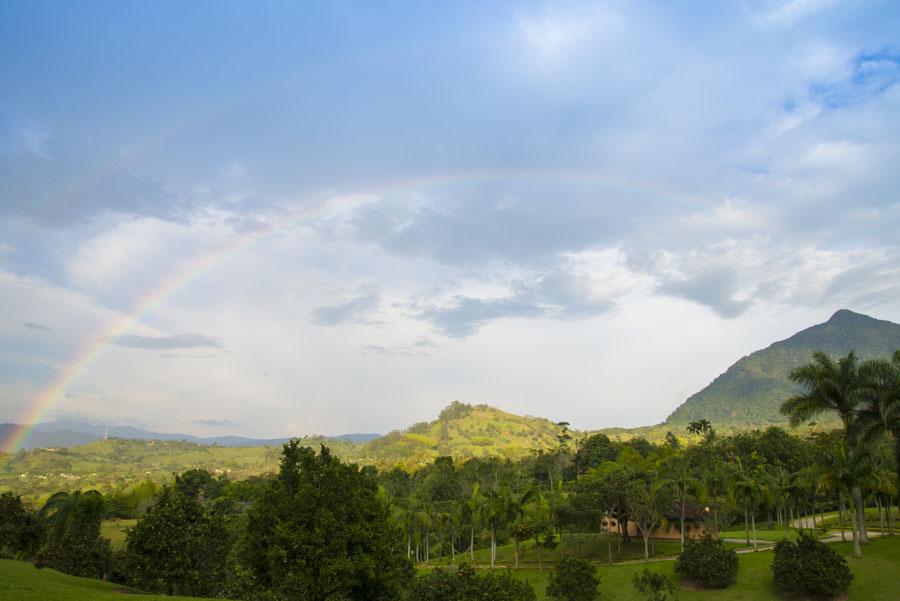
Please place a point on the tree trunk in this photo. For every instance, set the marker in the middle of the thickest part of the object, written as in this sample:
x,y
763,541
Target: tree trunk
x,y
646,550
517,553
841,516
753,521
682,522
472,544
890,516
860,515
747,523
880,515
493,545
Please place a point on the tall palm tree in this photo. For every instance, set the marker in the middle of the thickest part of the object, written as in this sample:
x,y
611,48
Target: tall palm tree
x,y
63,509
831,387
839,473
880,411
683,484
514,504
752,489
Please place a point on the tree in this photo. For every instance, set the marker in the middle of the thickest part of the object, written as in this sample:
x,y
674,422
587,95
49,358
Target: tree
x,y
573,579
809,568
645,501
831,387
514,504
880,411
179,547
683,483
750,488
322,531
74,543
20,530
702,427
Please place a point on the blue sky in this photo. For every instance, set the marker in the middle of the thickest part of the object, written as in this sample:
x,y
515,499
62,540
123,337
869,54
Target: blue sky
x,y
530,205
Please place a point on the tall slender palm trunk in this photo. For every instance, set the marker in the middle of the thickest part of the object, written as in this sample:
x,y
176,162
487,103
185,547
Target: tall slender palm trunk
x,y
860,515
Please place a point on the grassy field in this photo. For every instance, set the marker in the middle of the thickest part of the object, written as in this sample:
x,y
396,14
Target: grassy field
x,y
115,531
773,535
877,577
21,581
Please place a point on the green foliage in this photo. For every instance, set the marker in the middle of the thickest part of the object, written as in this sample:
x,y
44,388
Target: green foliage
x,y
20,531
707,562
750,392
74,544
654,586
573,579
178,547
809,568
465,585
321,530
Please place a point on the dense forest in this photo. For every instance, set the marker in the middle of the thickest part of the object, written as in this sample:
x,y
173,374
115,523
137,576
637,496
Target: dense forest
x,y
325,528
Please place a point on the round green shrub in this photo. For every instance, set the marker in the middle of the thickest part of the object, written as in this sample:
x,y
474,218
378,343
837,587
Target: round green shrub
x,y
708,563
809,568
465,585
573,580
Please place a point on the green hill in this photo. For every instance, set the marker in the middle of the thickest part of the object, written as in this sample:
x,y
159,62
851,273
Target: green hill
x,y
751,391
463,431
21,581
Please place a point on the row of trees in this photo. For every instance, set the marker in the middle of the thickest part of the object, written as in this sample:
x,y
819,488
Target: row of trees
x,y
866,398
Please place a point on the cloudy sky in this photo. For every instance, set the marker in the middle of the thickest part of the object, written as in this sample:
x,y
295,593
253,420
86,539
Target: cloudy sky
x,y
282,218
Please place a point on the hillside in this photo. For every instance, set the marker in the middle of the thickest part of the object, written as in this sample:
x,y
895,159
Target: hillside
x,y
751,391
21,581
463,431
105,464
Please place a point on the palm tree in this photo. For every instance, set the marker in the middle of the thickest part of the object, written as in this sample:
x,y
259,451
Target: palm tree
x,y
63,509
753,488
838,474
472,508
831,387
683,483
514,504
784,487
880,412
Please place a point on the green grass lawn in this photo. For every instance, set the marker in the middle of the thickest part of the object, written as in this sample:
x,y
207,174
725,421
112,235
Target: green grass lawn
x,y
877,576
21,581
115,531
773,535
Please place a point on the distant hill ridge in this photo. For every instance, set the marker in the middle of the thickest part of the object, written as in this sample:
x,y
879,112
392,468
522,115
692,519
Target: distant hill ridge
x,y
68,433
751,391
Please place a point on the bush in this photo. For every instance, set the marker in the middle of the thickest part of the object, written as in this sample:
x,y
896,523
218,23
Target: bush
x,y
573,580
809,568
465,585
654,586
707,563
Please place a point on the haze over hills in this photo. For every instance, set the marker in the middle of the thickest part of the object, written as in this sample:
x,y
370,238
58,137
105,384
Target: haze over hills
x,y
67,433
751,391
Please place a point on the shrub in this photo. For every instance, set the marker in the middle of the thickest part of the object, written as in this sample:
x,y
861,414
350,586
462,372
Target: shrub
x,y
465,585
654,586
708,563
809,568
573,580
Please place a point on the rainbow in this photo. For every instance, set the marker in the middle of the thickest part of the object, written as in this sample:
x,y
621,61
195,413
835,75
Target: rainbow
x,y
194,269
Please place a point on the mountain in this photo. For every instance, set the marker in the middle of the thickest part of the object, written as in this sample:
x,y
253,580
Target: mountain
x,y
68,433
751,391
36,438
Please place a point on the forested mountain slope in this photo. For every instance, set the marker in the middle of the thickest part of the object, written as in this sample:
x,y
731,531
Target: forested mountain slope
x,y
751,391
